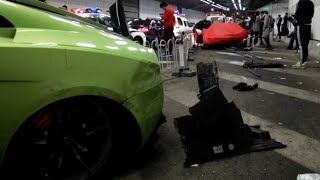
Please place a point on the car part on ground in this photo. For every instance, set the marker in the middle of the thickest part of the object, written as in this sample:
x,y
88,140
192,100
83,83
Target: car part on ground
x,y
215,128
56,58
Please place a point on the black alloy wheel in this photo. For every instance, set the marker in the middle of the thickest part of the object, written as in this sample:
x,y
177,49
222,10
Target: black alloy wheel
x,y
67,140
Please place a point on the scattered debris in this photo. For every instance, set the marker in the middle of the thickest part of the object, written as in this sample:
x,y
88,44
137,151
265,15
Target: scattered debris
x,y
317,62
262,100
195,165
283,78
315,90
271,93
237,63
300,83
263,65
308,177
228,53
277,58
245,87
280,123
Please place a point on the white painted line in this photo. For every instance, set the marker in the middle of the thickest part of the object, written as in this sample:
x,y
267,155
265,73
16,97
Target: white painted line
x,y
277,88
274,52
301,148
236,63
228,53
283,60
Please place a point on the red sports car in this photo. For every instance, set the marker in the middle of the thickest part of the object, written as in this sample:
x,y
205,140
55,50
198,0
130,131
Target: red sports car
x,y
224,33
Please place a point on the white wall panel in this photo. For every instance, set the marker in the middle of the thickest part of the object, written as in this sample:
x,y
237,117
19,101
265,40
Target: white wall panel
x,y
151,9
193,16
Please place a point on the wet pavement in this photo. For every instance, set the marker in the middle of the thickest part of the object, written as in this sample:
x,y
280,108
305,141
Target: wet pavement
x,y
287,103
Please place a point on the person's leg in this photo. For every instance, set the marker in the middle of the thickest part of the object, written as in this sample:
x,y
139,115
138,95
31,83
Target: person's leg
x,y
292,38
279,30
167,36
260,36
304,33
256,34
171,42
297,41
251,38
267,39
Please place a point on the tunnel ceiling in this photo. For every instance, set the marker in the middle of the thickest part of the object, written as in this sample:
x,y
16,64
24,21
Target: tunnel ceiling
x,y
201,6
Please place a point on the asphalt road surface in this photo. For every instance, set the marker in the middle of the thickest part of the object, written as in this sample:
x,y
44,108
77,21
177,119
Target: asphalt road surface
x,y
287,103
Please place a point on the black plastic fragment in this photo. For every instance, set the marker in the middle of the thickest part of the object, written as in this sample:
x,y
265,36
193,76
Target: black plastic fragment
x,y
215,128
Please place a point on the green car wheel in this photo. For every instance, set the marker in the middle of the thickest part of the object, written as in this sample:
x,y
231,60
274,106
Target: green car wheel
x,y
67,140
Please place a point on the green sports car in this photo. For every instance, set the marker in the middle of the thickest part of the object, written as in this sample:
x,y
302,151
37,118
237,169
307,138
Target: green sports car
x,y
71,94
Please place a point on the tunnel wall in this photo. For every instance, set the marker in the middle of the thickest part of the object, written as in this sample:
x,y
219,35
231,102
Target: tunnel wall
x,y
147,8
151,8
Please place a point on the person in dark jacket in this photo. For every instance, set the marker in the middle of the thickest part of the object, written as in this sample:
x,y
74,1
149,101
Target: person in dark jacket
x,y
255,29
262,15
304,15
267,29
204,24
279,22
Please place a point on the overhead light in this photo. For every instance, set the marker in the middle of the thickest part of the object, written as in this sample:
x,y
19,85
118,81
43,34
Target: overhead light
x,y
212,3
235,5
219,6
240,7
205,1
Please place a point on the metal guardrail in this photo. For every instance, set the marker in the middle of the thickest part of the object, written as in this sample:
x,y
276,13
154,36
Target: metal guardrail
x,y
180,52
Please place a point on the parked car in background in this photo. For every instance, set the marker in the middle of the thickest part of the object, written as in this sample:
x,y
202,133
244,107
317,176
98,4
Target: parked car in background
x,y
107,21
151,27
73,95
99,18
216,18
182,27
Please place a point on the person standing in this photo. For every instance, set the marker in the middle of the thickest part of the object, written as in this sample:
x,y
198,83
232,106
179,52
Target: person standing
x,y
267,29
204,24
255,28
168,23
261,27
272,28
279,21
304,15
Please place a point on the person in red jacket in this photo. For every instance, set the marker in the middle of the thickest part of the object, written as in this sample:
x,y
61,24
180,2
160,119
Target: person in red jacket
x,y
168,23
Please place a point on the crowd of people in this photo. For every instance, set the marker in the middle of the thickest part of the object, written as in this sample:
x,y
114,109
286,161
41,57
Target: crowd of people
x,y
262,25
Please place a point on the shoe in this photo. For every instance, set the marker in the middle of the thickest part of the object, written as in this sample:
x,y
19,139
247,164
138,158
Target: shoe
x,y
300,65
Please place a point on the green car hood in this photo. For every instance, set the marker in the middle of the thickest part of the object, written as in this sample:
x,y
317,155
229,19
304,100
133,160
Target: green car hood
x,y
102,41
38,27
